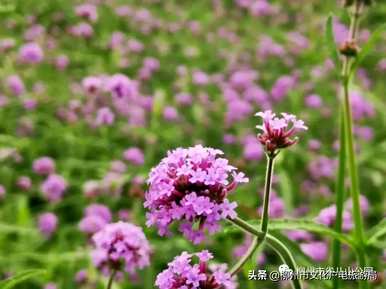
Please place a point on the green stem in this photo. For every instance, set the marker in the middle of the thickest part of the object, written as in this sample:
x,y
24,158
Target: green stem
x,y
111,279
267,192
340,194
257,241
274,243
348,125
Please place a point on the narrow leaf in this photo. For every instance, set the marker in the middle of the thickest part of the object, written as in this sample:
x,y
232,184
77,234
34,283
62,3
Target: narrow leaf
x,y
376,233
21,277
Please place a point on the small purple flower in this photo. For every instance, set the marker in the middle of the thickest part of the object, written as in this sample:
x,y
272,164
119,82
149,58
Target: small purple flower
x,y
2,192
104,117
81,277
91,189
363,203
82,30
31,53
322,167
278,132
92,84
317,251
43,166
170,113
15,85
87,11
183,273
282,86
134,155
47,223
99,210
313,101
191,185
252,149
53,188
327,216
24,183
120,246
92,224
96,217
61,62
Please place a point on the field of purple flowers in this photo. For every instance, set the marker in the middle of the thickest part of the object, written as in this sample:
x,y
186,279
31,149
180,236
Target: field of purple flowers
x,y
192,144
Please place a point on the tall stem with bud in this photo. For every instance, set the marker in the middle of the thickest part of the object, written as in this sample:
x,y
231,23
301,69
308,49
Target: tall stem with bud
x,y
349,51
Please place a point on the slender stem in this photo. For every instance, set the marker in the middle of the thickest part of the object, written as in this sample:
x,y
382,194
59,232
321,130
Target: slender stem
x,y
274,243
340,194
352,166
111,279
258,241
267,192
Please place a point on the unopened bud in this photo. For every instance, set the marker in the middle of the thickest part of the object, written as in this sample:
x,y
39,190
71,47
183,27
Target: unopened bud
x,y
349,48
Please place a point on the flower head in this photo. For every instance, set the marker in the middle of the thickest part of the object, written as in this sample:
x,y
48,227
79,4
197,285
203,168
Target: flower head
x,y
191,185
120,246
278,133
182,273
47,224
54,187
31,53
43,166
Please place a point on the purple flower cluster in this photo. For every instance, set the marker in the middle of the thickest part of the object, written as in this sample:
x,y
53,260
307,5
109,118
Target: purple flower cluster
x,y
191,185
120,246
182,273
43,166
96,217
53,188
47,223
278,132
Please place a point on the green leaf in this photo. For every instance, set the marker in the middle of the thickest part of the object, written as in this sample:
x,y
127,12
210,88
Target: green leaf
x,y
21,277
330,40
376,233
6,228
306,225
375,37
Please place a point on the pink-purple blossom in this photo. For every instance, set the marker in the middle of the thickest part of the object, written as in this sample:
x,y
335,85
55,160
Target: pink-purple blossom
x,y
53,188
317,251
120,246
47,223
134,156
278,133
182,272
191,186
43,166
31,53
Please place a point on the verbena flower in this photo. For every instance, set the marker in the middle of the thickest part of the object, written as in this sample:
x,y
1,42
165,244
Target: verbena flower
x,y
2,192
43,166
53,188
31,53
47,223
120,246
278,132
183,273
96,217
317,251
191,185
327,216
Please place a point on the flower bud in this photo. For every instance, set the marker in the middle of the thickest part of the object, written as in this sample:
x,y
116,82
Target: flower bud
x,y
349,48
